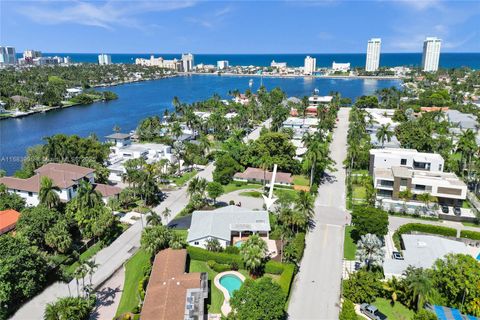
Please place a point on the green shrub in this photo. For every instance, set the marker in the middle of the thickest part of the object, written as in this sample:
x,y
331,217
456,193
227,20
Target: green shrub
x,y
274,267
474,235
219,257
299,245
348,311
234,265
211,264
425,228
232,250
286,278
220,267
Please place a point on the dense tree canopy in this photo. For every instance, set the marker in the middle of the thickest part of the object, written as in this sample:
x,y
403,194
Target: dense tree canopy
x,y
370,220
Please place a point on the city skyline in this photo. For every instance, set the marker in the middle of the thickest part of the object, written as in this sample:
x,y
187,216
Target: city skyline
x,y
238,27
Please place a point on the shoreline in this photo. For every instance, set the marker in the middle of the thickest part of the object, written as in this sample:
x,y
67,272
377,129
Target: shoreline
x,y
287,76
44,109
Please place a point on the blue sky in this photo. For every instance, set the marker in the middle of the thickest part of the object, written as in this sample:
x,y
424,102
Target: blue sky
x,y
328,26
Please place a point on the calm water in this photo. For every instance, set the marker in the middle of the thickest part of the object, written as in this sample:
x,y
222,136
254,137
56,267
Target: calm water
x,y
447,60
139,100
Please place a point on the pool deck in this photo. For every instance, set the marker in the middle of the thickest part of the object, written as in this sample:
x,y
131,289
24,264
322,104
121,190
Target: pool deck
x,y
226,302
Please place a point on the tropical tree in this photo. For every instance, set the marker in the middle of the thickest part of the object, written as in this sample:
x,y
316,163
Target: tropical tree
x,y
426,198
48,194
212,244
419,284
59,237
87,196
394,288
253,252
384,133
155,238
369,251
214,190
154,219
71,308
197,187
166,213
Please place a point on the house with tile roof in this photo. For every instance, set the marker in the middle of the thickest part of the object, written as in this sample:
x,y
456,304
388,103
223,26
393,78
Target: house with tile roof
x,y
173,294
8,220
65,176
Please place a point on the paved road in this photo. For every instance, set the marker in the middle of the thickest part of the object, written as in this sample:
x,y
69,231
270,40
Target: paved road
x,y
108,297
316,290
256,133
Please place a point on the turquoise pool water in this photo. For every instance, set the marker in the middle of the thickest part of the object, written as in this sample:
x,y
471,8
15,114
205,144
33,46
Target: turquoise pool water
x,y
478,257
231,282
238,244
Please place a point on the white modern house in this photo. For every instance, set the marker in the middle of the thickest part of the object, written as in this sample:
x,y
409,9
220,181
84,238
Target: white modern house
x,y
123,149
390,157
377,118
66,177
230,225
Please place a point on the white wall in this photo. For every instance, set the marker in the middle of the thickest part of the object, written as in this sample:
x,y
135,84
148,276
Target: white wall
x,y
202,243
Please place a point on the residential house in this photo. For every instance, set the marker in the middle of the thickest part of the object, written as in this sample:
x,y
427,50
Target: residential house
x,y
376,118
229,225
66,177
8,220
389,157
173,294
255,175
316,101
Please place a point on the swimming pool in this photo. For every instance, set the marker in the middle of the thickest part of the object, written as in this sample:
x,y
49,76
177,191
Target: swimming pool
x,y
230,282
478,257
239,243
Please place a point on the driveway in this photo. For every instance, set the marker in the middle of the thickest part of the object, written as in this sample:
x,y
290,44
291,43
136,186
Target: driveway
x,y
316,290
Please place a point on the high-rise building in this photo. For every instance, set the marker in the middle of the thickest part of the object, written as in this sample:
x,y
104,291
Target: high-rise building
x,y
104,59
373,54
222,64
8,56
310,65
431,54
187,62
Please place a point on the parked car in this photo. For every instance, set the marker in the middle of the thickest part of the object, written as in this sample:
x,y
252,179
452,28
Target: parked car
x,y
445,209
357,265
457,211
397,255
372,312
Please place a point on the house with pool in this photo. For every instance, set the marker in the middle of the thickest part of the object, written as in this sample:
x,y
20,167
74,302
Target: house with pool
x,y
230,225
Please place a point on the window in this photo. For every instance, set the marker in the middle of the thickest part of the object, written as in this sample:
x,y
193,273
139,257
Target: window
x,y
403,182
440,167
30,194
196,243
403,162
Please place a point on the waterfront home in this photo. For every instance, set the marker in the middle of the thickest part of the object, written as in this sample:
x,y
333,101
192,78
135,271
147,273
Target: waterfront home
x,y
119,139
376,118
8,220
242,99
316,101
255,175
66,177
344,67
229,225
173,294
123,151
72,92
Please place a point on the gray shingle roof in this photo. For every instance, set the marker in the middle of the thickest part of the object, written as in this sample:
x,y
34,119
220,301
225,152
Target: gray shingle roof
x,y
220,222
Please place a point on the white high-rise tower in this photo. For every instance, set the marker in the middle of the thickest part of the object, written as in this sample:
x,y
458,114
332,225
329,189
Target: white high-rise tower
x,y
104,59
187,62
310,65
373,54
431,54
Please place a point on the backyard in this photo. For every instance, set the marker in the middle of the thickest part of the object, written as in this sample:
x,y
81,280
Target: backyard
x,y
398,311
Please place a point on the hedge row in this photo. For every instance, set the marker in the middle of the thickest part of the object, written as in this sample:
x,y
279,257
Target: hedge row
x,y
219,257
427,228
219,267
286,278
474,235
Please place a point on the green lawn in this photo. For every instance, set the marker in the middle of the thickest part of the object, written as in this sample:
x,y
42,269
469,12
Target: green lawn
x,y
349,247
466,204
359,192
234,187
471,224
289,194
133,274
87,254
360,172
254,194
301,181
180,181
398,311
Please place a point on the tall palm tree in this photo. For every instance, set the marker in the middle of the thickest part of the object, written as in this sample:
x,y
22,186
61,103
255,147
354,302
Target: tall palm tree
x,y
91,266
48,194
166,213
205,144
394,288
384,133
305,205
254,252
154,219
176,129
369,251
420,285
87,196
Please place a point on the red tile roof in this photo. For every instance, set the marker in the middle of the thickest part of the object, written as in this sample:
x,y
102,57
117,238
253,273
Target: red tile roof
x,y
8,220
107,190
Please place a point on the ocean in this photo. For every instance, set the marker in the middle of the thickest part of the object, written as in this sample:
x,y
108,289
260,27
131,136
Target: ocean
x,y
447,60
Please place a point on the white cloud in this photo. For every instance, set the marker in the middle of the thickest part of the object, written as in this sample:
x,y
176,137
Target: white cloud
x,y
105,15
420,5
211,20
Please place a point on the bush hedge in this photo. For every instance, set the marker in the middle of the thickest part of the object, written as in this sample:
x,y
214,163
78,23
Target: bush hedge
x,y
219,257
474,235
425,228
274,267
286,278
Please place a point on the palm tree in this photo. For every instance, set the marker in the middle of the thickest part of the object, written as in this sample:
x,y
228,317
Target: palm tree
x,y
394,289
91,266
116,128
369,251
420,285
176,130
384,133
197,187
305,205
467,146
205,144
254,252
426,198
87,196
154,219
80,273
48,194
155,238
166,213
